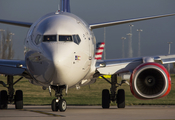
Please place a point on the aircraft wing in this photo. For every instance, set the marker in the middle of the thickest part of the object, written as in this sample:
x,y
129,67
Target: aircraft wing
x,y
110,67
17,23
111,23
12,67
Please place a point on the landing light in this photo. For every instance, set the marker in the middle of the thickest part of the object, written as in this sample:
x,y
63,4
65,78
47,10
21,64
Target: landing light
x,y
20,65
102,65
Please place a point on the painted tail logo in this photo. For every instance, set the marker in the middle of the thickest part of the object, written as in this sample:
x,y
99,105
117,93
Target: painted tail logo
x,y
99,50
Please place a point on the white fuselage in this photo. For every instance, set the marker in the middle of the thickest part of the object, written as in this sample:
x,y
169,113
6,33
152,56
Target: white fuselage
x,y
60,62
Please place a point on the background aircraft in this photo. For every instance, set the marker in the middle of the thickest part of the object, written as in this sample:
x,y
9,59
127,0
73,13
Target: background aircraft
x,y
59,51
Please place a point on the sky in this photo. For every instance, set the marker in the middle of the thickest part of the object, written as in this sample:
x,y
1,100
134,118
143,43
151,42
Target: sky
x,y
154,37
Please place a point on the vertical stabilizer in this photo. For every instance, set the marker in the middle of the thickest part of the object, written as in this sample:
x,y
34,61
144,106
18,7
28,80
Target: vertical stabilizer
x,y
99,50
64,5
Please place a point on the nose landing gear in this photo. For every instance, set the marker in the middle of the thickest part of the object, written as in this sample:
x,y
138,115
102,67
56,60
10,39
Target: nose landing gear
x,y
59,103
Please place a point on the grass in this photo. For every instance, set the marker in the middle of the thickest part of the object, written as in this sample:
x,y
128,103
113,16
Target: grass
x,y
87,95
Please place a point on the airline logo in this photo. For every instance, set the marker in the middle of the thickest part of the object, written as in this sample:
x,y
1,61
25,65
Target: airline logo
x,y
99,50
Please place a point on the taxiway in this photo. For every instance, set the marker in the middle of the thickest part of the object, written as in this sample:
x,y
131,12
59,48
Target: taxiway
x,y
89,113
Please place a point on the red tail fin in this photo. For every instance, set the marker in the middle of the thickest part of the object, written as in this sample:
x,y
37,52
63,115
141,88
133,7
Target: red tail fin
x,y
99,50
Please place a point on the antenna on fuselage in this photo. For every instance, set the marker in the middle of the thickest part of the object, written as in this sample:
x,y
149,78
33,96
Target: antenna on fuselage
x,y
59,6
58,10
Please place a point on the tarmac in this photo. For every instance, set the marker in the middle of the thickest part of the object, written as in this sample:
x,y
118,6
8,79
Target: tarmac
x,y
145,112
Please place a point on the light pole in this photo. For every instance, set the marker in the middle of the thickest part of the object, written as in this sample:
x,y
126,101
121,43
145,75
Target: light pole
x,y
130,42
10,46
123,47
11,36
169,43
1,30
169,52
139,50
130,52
105,43
131,25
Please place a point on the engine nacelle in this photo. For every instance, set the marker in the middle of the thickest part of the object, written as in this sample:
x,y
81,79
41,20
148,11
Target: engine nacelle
x,y
150,81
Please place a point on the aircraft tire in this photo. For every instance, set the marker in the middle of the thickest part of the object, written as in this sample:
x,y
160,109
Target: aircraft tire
x,y
3,99
54,105
121,98
19,99
62,105
105,98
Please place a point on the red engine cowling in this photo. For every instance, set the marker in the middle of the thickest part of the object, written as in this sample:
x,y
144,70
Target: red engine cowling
x,y
150,81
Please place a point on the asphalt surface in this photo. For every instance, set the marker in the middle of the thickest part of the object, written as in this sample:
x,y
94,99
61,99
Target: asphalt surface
x,y
157,112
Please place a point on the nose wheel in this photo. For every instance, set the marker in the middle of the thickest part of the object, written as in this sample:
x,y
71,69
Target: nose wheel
x,y
59,103
62,105
54,105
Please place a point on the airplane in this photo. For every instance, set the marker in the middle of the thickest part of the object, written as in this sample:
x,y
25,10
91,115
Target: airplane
x,y
60,54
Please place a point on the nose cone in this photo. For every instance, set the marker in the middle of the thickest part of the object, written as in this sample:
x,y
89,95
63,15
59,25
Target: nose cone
x,y
62,56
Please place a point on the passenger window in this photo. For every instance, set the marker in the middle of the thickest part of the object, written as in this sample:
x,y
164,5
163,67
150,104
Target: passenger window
x,y
49,38
65,38
77,39
38,39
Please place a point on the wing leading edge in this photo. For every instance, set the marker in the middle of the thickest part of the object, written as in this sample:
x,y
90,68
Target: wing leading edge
x,y
17,23
12,67
111,23
110,67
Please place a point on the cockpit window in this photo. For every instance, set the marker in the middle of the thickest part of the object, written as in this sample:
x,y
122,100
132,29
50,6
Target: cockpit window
x,y
49,38
65,38
70,38
77,39
38,39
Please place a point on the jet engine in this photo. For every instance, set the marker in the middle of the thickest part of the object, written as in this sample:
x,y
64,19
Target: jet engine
x,y
150,81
